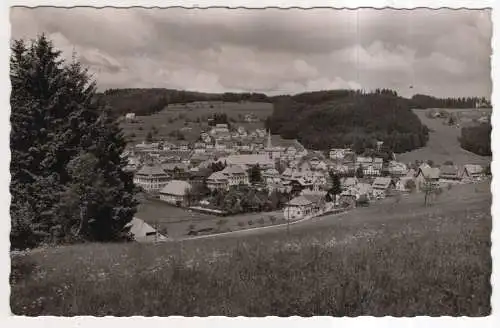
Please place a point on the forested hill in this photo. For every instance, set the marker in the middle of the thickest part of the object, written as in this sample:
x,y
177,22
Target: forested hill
x,y
323,120
150,101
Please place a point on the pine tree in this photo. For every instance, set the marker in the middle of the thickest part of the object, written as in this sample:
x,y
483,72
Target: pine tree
x,y
54,121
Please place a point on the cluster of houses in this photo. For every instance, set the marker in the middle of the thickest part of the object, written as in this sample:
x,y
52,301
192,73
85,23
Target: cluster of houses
x,y
172,170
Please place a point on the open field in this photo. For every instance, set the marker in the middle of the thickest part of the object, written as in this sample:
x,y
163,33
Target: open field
x,y
177,221
174,118
398,259
443,145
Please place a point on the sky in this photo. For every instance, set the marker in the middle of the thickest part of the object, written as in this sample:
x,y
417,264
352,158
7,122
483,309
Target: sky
x,y
444,53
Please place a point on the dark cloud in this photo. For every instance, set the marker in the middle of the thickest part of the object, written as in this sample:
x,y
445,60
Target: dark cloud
x,y
444,52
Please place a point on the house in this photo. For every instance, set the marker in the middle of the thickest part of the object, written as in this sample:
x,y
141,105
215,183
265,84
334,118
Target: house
x,y
236,175
472,172
450,173
378,163
427,174
271,176
151,178
303,206
143,232
130,116
178,171
349,182
381,186
397,168
363,161
337,154
175,192
217,181
198,176
371,171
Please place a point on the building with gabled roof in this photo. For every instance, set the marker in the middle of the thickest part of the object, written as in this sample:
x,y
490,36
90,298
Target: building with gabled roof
x,y
175,192
151,178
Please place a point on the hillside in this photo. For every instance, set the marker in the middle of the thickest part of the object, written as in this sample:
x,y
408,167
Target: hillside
x,y
338,118
443,145
400,259
153,100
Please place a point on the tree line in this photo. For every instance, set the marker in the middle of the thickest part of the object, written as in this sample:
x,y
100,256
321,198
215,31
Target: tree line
x,y
477,139
423,101
149,101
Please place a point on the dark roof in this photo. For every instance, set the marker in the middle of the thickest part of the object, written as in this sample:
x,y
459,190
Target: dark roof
x,y
151,170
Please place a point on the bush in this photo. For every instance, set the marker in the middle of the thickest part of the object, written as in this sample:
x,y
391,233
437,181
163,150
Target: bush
x,y
272,219
261,221
241,223
250,222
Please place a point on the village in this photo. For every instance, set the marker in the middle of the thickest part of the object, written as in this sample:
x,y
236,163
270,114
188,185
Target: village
x,y
229,171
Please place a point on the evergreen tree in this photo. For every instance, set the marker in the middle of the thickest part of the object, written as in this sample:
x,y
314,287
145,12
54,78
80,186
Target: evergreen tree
x,y
255,174
54,121
359,172
336,187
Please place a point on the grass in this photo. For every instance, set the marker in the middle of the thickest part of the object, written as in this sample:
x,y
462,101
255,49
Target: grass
x,y
169,120
443,145
177,221
402,261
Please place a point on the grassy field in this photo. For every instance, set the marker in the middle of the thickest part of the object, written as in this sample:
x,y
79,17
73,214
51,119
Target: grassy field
x,y
174,118
176,222
443,144
399,259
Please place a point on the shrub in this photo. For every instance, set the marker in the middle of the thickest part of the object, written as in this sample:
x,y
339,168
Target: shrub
x,y
262,221
241,223
272,219
250,222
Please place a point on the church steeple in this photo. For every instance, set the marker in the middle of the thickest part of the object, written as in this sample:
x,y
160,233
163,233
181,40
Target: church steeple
x,y
269,145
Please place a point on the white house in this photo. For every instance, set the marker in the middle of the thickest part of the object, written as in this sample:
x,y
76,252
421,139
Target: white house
x,y
151,178
130,116
303,206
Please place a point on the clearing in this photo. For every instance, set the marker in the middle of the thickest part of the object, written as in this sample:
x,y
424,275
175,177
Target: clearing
x,y
392,258
443,144
184,118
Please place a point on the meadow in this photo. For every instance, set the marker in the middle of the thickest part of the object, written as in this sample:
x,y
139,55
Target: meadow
x,y
399,259
176,222
443,144
184,118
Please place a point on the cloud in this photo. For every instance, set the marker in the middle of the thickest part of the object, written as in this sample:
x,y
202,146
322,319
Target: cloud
x,y
444,52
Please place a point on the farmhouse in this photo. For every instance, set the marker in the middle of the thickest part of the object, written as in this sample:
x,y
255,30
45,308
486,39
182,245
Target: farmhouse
x,y
151,178
449,173
473,172
303,206
381,186
175,192
427,174
143,232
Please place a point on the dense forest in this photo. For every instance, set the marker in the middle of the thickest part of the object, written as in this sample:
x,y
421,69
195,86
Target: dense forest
x,y
424,101
477,139
321,120
150,101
